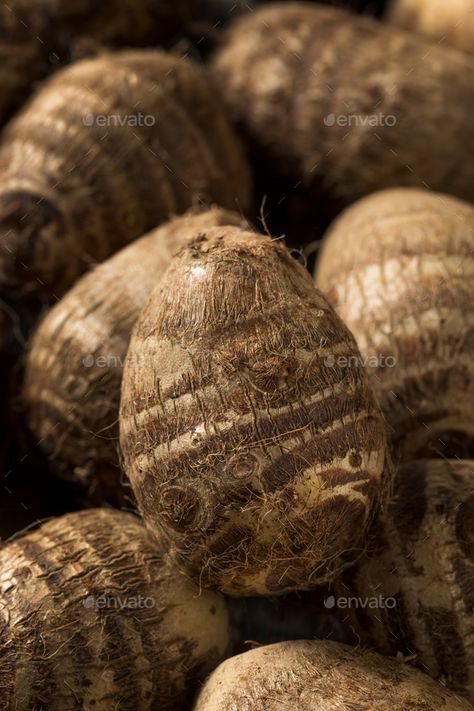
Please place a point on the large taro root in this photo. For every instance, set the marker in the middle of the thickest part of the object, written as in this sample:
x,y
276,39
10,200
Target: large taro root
x,y
312,676
411,594
92,616
398,267
113,147
342,105
262,465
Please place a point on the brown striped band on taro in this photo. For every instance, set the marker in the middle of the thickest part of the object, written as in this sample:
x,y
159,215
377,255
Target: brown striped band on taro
x,y
262,464
114,146
93,617
446,22
37,35
398,268
75,362
342,105
420,567
321,676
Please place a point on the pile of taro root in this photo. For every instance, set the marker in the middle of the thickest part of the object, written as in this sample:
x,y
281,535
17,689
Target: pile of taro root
x,y
236,355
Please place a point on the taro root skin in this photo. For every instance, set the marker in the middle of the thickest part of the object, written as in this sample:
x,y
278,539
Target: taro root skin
x,y
93,617
306,84
398,267
422,558
75,362
262,465
316,675
447,22
91,188
37,34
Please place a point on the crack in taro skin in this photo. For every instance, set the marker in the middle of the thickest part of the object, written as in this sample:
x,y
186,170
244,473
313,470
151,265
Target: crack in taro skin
x,y
91,189
62,649
262,464
398,268
422,555
75,360
285,70
312,675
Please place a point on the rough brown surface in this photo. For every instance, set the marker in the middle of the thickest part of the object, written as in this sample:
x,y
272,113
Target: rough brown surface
x,y
262,464
91,188
306,83
447,22
421,563
37,35
321,676
75,362
398,268
92,617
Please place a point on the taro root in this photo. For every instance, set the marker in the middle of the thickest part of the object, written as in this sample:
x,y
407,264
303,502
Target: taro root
x,y
342,105
75,362
262,465
398,268
113,147
36,35
93,617
312,676
447,22
412,593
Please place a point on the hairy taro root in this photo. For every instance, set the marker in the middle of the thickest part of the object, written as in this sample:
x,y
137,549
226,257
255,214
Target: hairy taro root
x,y
262,465
114,146
307,675
75,362
93,617
448,22
342,105
36,35
420,565
398,268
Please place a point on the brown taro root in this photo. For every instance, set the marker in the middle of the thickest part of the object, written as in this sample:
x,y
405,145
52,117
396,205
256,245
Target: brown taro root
x,y
36,35
262,465
114,146
412,593
92,616
398,268
342,105
75,362
447,22
317,676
